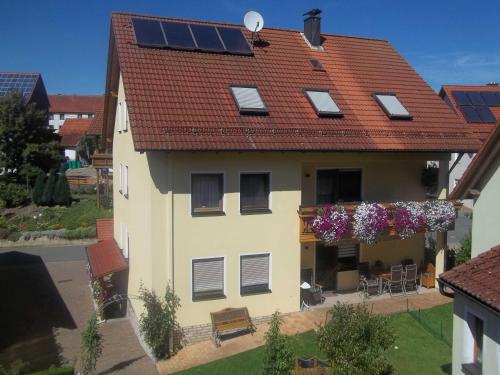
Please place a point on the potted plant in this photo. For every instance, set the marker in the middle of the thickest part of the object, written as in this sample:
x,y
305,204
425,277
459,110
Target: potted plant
x,y
409,218
331,223
439,215
370,221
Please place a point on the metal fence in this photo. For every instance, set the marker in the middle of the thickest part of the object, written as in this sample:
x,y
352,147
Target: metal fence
x,y
439,328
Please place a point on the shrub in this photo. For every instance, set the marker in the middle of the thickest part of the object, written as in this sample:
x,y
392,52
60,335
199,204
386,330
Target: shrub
x,y
18,367
55,371
278,357
79,233
37,193
463,253
158,323
4,233
355,341
13,195
14,236
62,193
48,191
91,347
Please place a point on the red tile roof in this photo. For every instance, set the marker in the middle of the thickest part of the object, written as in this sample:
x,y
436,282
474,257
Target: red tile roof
x,y
478,277
76,103
96,124
73,130
104,229
481,130
105,258
180,100
480,165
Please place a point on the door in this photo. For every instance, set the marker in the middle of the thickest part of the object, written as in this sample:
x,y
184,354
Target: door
x,y
326,266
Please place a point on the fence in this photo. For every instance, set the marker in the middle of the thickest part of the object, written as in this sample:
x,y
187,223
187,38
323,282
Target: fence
x,y
429,320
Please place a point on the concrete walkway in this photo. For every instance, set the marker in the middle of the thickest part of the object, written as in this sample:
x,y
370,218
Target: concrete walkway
x,y
205,351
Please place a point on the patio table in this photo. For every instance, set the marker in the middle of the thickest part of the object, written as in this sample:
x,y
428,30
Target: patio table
x,y
381,277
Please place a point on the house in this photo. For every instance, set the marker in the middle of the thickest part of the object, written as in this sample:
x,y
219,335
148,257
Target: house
x,y
224,141
71,134
64,107
475,284
29,84
479,107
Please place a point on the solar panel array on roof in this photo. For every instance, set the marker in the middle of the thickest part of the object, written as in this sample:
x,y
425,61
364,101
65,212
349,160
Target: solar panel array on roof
x,y
184,36
12,82
475,105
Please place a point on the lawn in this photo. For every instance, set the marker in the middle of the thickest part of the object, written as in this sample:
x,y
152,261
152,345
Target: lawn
x,y
418,350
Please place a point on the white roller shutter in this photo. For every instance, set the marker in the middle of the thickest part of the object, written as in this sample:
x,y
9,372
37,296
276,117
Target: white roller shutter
x,y
208,276
254,272
347,249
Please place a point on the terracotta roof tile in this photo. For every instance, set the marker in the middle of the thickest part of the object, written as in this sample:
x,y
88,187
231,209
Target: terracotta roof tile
x,y
76,103
73,130
105,258
180,100
97,124
478,277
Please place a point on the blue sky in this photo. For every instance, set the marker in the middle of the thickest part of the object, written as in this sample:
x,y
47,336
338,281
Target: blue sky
x,y
446,41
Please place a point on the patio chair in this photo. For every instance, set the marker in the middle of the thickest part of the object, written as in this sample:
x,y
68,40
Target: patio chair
x,y
367,284
396,279
310,297
410,278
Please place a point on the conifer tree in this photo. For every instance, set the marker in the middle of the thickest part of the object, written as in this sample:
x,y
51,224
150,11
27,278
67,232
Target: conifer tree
x,y
48,191
62,193
38,188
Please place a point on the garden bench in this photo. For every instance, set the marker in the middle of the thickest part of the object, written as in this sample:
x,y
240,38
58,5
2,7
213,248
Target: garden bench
x,y
229,320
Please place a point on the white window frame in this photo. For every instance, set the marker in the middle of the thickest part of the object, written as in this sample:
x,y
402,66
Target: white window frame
x,y
270,272
119,115
125,179
224,190
126,246
270,200
468,343
191,276
120,186
124,116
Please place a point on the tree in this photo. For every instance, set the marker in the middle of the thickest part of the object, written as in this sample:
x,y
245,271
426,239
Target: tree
x,y
355,341
62,192
26,141
278,358
87,146
463,253
48,191
158,323
37,193
91,347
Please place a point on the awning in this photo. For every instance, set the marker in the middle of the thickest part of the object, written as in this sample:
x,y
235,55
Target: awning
x,y
105,258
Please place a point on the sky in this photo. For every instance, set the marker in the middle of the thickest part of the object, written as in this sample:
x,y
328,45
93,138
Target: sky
x,y
446,41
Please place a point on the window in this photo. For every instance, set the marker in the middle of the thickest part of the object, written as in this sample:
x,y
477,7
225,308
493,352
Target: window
x,y
124,240
125,180
207,193
208,278
122,116
120,189
338,185
61,116
476,326
254,192
348,256
248,100
79,115
51,116
323,103
316,64
254,274
392,106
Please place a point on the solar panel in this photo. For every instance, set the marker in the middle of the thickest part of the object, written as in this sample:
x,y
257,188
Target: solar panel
x,y
22,83
470,114
178,35
207,38
491,98
248,100
485,114
323,103
234,40
475,98
148,33
461,97
392,106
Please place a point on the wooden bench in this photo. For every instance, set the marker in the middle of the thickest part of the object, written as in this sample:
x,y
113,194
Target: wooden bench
x,y
230,319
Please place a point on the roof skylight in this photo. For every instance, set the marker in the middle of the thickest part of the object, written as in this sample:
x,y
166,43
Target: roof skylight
x,y
392,106
323,103
248,100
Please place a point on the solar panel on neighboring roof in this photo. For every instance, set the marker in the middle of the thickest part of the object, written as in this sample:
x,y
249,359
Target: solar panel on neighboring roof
x,y
207,38
323,103
491,98
461,97
470,114
475,98
178,35
392,106
12,82
234,40
148,33
485,114
248,100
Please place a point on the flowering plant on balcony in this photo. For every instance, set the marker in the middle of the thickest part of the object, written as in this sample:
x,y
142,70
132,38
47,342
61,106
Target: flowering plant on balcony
x,y
370,221
331,223
439,214
409,218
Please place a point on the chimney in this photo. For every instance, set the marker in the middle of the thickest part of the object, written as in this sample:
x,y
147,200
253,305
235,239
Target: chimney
x,y
312,27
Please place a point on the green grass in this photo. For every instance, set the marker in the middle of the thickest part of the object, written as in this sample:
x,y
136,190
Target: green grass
x,y
419,351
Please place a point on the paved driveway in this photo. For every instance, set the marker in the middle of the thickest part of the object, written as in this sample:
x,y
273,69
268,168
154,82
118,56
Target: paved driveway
x,y
45,305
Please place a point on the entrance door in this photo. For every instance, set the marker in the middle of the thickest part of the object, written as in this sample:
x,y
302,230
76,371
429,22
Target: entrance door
x,y
326,266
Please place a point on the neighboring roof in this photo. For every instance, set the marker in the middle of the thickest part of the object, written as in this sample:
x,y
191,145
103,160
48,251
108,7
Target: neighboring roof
x,y
478,278
481,130
481,163
76,103
29,84
97,124
73,130
105,258
104,229
181,100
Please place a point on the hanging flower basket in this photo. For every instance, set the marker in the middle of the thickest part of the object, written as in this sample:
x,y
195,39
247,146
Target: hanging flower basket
x,y
409,218
370,221
439,214
331,223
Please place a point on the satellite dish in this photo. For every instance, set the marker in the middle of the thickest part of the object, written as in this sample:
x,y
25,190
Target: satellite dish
x,y
253,21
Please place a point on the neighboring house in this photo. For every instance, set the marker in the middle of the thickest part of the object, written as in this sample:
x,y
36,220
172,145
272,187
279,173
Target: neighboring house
x,y
479,107
63,107
29,84
221,148
71,134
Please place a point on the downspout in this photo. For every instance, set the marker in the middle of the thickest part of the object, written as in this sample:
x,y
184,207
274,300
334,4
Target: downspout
x,y
171,216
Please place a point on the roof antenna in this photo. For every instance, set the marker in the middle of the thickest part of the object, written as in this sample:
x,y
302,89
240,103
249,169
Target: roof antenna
x,y
254,22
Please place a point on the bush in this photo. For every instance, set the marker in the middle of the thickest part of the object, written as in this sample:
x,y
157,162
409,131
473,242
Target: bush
x,y
463,253
48,191
37,193
55,371
14,236
79,233
278,357
13,195
62,193
4,233
355,341
91,347
158,323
